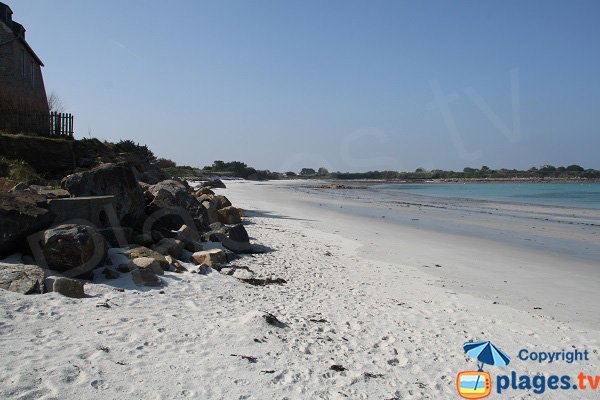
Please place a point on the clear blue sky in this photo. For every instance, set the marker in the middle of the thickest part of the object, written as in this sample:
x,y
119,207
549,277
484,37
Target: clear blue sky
x,y
347,85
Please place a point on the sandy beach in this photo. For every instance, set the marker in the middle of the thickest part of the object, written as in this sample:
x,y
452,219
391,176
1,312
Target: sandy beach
x,y
375,305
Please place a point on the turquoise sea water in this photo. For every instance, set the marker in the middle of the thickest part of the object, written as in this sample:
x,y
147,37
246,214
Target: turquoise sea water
x,y
586,195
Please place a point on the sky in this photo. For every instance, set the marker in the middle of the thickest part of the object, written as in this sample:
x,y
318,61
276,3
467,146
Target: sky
x,y
345,85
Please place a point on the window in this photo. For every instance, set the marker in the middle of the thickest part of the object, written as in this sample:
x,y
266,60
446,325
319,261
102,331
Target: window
x,y
32,74
23,63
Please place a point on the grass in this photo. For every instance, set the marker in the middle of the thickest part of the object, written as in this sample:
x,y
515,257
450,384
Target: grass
x,y
18,171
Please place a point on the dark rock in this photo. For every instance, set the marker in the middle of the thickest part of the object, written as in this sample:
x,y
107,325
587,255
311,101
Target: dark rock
x,y
238,233
214,183
111,179
22,278
124,268
20,216
175,200
152,175
216,226
69,288
113,234
74,250
110,274
143,239
145,277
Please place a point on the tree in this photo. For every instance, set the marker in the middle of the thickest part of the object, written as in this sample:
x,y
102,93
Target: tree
x,y
290,174
469,170
420,170
323,171
575,168
55,103
308,171
548,168
165,163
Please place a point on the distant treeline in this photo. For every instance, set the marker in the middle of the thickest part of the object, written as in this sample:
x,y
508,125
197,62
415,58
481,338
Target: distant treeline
x,y
545,172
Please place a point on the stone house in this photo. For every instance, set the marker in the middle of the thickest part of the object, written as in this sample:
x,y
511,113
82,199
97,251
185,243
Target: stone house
x,y
23,98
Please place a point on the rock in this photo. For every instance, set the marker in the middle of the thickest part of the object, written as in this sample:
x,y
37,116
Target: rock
x,y
147,263
145,277
143,239
111,179
176,265
204,269
21,215
234,238
211,258
173,247
134,252
211,210
229,215
74,250
152,175
221,202
238,233
203,197
22,278
202,191
110,274
18,187
113,234
193,247
216,226
188,233
174,199
214,183
124,268
49,192
69,288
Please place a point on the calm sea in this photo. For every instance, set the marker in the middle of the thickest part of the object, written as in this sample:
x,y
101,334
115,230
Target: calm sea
x,y
585,195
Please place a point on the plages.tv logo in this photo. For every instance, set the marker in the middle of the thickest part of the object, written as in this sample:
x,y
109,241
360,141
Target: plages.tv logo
x,y
478,384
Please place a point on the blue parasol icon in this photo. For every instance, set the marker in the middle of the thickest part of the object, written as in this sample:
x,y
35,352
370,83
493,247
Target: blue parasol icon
x,y
486,353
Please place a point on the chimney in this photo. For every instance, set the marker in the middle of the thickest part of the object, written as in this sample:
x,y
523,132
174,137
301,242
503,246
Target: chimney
x,y
6,14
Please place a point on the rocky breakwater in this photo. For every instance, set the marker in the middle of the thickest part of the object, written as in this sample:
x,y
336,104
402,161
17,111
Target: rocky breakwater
x,y
114,228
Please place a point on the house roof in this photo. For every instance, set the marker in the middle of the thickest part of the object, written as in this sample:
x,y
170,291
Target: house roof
x,y
19,32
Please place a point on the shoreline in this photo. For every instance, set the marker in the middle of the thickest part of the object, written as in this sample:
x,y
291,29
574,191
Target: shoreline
x,y
504,243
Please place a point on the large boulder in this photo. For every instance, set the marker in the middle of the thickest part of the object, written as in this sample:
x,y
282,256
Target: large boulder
x,y
134,252
169,246
211,211
22,278
235,239
230,215
221,202
147,263
68,287
212,258
145,277
21,214
213,183
74,250
152,175
111,179
176,201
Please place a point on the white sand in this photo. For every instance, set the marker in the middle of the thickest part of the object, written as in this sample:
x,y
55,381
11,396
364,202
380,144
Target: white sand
x,y
397,319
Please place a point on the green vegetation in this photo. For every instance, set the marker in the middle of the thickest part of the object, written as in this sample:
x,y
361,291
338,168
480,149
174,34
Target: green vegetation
x,y
18,171
240,169
486,173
